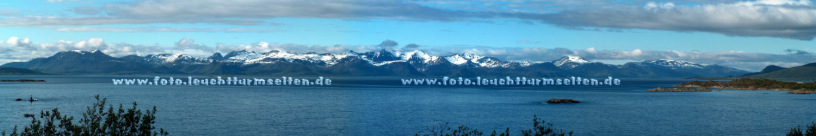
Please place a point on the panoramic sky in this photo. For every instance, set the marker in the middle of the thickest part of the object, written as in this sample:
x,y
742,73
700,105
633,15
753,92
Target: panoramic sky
x,y
743,34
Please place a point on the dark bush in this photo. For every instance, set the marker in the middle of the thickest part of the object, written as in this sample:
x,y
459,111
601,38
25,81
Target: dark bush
x,y
540,128
97,120
810,130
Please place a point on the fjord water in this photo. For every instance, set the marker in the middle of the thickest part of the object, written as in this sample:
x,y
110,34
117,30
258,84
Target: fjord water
x,y
381,106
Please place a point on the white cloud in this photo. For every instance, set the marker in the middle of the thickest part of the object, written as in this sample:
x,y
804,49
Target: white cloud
x,y
54,1
781,2
794,19
158,29
653,5
296,48
245,12
765,18
22,49
9,11
591,50
14,41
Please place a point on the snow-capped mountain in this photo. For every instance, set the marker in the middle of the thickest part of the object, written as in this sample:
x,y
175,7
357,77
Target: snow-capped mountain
x,y
673,64
350,63
570,61
680,68
461,59
473,60
81,52
379,56
174,58
419,56
278,56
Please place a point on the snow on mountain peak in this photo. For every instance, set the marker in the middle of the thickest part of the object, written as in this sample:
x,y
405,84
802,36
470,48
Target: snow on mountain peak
x,y
350,53
674,64
78,51
172,58
381,57
461,58
383,52
419,54
577,59
416,53
279,55
83,52
457,59
572,60
490,62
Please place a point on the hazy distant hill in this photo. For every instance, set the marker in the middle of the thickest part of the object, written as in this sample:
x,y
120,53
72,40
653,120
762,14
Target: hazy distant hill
x,y
415,63
767,69
84,62
18,71
804,72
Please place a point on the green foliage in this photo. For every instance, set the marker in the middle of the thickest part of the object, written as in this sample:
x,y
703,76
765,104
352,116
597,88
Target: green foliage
x,y
809,131
97,120
540,128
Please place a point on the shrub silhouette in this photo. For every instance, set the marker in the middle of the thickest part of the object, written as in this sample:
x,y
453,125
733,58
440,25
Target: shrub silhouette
x,y
97,120
810,130
540,128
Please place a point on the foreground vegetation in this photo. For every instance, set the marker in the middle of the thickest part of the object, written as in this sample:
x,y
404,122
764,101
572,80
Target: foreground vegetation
x,y
810,130
540,128
755,84
97,120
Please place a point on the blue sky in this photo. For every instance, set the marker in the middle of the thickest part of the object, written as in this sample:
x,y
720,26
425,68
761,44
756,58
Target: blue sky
x,y
743,34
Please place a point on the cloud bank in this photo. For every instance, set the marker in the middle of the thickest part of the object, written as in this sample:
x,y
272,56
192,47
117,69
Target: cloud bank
x,y
764,18
792,19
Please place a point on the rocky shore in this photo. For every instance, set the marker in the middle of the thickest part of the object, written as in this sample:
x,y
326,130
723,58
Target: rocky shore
x,y
680,89
743,84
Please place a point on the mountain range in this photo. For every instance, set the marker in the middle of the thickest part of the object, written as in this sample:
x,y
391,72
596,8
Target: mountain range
x,y
416,63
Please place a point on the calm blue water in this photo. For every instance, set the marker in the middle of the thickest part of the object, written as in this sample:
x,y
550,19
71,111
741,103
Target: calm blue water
x,y
369,106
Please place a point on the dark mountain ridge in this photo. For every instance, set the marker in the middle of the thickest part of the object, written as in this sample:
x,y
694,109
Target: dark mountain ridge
x,y
415,63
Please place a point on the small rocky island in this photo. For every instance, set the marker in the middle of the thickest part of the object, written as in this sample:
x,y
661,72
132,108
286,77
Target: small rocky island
x,y
30,99
557,101
742,84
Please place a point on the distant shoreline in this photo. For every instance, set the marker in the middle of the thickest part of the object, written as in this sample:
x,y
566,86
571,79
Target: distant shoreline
x,y
744,84
22,80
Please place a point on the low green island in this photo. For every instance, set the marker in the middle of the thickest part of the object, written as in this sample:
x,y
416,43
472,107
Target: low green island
x,y
742,84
